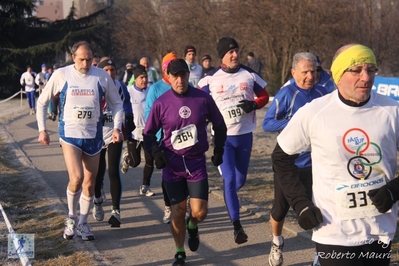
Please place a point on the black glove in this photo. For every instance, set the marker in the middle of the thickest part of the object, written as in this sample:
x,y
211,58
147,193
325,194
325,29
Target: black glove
x,y
217,158
310,217
129,124
382,198
247,106
160,159
41,83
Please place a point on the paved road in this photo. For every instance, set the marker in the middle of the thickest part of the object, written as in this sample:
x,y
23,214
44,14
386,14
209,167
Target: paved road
x,y
143,239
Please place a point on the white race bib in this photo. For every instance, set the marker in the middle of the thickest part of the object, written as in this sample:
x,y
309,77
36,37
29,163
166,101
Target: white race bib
x,y
232,114
352,200
84,115
184,137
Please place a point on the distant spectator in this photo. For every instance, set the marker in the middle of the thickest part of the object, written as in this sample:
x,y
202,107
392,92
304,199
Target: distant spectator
x,y
254,63
128,73
152,76
95,60
40,78
195,69
323,78
28,83
206,65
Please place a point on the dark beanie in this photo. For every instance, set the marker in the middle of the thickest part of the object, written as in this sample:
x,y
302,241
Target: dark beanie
x,y
206,57
106,62
189,48
138,71
226,44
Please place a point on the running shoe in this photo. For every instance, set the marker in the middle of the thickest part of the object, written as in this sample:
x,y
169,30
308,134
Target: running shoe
x,y
240,236
316,261
125,162
179,259
193,237
98,211
276,255
145,190
84,231
70,228
166,215
115,219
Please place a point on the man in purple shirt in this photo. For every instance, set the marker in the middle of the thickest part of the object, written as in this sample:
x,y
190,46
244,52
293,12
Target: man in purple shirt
x,y
183,114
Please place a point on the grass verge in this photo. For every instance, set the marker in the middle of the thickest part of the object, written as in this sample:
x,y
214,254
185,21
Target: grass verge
x,y
31,211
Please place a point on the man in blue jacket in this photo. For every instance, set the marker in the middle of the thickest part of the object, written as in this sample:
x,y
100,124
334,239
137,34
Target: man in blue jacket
x,y
287,101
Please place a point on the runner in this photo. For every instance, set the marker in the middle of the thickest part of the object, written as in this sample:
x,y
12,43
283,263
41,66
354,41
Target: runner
x,y
182,113
138,94
285,104
353,134
80,87
233,86
114,150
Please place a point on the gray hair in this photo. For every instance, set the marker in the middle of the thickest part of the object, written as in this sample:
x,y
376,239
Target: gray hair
x,y
76,46
303,56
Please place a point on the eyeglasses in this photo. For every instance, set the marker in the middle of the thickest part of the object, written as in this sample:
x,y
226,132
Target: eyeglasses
x,y
371,71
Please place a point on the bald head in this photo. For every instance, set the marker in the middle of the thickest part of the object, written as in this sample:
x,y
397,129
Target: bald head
x,y
343,48
144,61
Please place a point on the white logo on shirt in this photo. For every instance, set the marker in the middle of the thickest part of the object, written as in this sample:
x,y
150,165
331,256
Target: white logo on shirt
x,y
184,112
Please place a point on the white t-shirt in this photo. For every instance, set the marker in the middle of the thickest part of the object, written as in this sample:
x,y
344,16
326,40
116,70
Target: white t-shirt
x,y
29,81
137,99
80,101
227,89
354,149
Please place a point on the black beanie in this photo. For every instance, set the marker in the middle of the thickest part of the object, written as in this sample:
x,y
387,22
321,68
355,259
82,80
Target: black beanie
x,y
189,48
226,44
106,62
139,70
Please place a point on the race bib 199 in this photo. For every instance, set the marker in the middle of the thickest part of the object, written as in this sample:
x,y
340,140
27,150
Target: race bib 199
x,y
232,114
184,137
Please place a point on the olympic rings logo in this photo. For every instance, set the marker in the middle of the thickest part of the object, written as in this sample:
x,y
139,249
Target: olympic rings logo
x,y
357,142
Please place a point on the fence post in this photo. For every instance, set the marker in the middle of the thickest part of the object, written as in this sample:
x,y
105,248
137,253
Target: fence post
x,y
21,97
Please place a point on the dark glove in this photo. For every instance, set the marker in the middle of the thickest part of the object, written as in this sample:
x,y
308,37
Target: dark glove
x,y
217,158
160,159
41,83
382,199
310,217
129,124
247,106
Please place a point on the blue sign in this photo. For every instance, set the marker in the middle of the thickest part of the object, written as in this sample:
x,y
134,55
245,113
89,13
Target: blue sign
x,y
388,86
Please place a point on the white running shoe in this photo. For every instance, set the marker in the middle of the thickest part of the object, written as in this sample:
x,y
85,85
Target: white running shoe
x,y
166,215
125,162
98,211
115,219
276,255
316,260
145,190
84,231
70,228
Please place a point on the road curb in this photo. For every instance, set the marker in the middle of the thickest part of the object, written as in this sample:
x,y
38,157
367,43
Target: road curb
x,y
48,193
